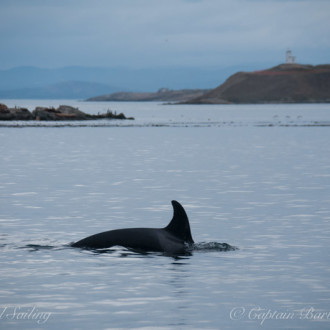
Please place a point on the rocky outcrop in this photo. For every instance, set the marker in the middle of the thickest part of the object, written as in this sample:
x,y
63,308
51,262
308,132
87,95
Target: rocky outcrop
x,y
63,112
285,83
3,107
14,113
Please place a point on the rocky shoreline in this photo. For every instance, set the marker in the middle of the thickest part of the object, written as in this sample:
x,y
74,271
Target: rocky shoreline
x,y
62,113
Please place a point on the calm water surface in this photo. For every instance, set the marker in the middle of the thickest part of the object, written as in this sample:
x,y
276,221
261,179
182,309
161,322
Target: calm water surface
x,y
257,177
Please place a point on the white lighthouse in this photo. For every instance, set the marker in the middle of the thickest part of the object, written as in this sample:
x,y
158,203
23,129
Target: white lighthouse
x,y
289,58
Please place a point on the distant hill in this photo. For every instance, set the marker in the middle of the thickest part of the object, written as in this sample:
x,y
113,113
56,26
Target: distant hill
x,y
72,82
62,90
285,83
163,94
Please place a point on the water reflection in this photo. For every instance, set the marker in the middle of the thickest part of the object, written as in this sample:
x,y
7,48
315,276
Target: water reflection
x,y
127,252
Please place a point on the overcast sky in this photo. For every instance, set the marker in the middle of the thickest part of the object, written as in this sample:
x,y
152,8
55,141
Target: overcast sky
x,y
149,33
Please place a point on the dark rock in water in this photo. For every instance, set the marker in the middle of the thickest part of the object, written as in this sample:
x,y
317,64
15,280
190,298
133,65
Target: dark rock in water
x,y
110,115
3,107
63,112
14,113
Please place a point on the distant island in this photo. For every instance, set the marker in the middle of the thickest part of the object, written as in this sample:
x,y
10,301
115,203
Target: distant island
x,y
163,94
285,83
63,112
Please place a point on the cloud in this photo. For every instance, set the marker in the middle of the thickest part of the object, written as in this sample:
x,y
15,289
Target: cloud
x,y
154,32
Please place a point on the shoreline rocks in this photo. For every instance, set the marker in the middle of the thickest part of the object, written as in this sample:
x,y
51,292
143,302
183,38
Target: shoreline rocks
x,y
62,113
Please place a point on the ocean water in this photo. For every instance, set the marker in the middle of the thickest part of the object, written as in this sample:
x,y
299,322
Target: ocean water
x,y
256,177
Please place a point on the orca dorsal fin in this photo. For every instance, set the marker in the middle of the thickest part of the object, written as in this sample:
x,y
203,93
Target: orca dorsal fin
x,y
179,225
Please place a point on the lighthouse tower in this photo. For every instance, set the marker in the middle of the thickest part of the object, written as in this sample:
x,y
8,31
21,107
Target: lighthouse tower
x,y
289,58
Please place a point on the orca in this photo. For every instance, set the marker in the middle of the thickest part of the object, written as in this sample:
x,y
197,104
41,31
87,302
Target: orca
x,y
173,239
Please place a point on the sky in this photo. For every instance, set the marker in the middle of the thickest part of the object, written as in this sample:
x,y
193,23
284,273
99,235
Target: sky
x,y
159,33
